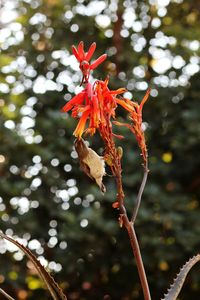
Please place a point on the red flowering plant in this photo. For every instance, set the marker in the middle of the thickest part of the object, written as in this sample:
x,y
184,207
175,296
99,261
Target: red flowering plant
x,y
95,108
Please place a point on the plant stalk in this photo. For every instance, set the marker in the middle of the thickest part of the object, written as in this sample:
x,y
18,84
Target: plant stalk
x,y
140,266
134,245
107,136
139,196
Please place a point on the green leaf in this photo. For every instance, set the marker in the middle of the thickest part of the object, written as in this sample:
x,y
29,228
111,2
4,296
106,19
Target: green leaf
x,y
176,287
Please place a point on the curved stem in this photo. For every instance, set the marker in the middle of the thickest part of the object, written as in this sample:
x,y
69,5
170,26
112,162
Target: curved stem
x,y
139,196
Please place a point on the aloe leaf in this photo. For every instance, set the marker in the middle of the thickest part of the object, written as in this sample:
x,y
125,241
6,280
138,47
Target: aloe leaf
x,y
53,287
176,287
6,295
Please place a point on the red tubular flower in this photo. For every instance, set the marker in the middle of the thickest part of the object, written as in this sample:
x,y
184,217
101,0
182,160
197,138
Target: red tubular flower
x,y
84,57
136,118
81,124
85,107
76,100
96,103
108,98
136,126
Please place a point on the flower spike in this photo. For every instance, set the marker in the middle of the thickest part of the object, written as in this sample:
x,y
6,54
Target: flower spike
x,y
95,106
84,58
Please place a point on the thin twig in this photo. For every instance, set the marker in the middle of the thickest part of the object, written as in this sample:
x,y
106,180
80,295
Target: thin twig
x,y
6,295
123,219
139,196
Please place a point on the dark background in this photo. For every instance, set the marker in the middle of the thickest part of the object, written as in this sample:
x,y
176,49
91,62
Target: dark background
x,y
45,200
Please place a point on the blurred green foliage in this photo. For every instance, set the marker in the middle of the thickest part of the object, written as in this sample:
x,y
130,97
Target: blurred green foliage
x,y
45,199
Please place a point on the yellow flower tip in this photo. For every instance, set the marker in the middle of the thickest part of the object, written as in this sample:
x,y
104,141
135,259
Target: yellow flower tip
x,y
77,135
91,131
121,90
125,104
107,80
78,131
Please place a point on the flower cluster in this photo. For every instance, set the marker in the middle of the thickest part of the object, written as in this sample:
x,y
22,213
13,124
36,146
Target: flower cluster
x,y
136,124
96,104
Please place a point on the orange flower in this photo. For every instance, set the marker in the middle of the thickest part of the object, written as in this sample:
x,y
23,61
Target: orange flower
x,y
81,124
109,100
84,57
96,104
136,126
84,106
136,118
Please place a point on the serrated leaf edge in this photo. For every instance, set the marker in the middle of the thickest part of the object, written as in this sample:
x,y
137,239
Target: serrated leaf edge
x,y
53,287
177,285
6,295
